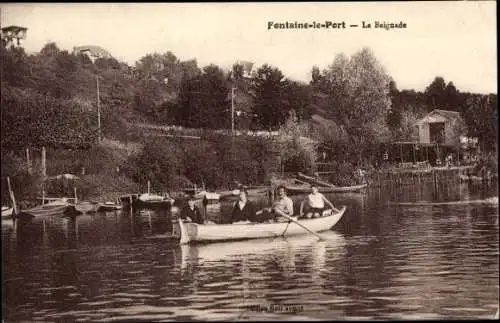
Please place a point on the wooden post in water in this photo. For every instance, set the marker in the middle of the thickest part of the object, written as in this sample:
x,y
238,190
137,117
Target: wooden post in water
x,y
401,152
44,162
28,161
12,197
414,159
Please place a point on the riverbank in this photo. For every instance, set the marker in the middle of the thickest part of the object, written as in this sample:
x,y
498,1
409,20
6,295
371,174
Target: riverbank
x,y
114,168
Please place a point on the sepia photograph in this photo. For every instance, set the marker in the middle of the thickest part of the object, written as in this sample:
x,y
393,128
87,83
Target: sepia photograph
x,y
249,161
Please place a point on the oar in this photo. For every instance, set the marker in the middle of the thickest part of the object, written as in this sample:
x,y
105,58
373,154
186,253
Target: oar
x,y
296,222
303,226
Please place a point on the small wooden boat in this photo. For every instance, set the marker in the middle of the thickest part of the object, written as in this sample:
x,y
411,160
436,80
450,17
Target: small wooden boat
x,y
306,189
87,207
209,197
108,207
7,212
152,201
55,208
313,180
230,194
472,178
191,232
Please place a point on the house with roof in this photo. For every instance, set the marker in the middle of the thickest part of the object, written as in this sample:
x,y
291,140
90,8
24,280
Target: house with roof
x,y
249,69
441,127
92,51
13,36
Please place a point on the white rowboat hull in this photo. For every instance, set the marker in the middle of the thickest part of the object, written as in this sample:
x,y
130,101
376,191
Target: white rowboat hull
x,y
7,211
191,232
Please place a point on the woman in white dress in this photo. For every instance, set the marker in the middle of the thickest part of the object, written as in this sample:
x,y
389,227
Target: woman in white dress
x,y
315,203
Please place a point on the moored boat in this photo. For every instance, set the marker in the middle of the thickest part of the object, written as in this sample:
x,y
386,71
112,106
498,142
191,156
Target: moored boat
x,y
87,207
306,189
191,232
252,192
313,180
55,208
208,197
471,178
152,201
108,207
7,212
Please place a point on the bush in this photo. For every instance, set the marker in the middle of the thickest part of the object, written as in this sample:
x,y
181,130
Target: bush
x,y
29,118
344,174
160,162
297,157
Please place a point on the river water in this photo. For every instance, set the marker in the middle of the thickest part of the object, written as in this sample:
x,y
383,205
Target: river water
x,y
381,261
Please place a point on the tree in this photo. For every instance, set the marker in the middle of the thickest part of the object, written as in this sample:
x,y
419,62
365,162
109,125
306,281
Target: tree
x,y
481,118
50,50
270,107
394,114
148,96
298,98
14,66
237,72
357,90
202,100
436,94
315,76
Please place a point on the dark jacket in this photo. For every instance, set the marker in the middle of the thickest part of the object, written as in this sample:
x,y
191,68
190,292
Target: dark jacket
x,y
248,212
194,214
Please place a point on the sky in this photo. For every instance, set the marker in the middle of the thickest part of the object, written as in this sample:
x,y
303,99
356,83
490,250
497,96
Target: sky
x,y
455,40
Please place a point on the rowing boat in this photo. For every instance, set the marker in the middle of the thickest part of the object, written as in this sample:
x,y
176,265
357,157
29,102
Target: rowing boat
x,y
472,178
7,212
86,207
153,201
55,208
108,207
312,180
306,189
192,232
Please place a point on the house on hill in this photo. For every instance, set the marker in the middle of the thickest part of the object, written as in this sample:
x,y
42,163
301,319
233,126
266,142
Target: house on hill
x,y
12,36
249,69
92,51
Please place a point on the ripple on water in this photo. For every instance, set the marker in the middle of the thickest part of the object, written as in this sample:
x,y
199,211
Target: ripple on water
x,y
133,295
386,263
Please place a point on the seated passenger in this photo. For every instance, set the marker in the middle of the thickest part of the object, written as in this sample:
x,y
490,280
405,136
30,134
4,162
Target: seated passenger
x,y
191,213
243,209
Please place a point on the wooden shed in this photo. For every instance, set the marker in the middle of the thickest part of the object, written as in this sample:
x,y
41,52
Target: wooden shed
x,y
441,127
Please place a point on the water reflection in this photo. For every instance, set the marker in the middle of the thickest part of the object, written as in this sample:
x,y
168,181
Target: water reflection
x,y
378,262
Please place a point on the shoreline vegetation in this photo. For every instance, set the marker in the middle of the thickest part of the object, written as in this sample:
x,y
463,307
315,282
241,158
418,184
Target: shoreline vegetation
x,y
161,122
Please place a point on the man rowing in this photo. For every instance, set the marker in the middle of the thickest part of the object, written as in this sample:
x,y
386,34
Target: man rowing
x,y
315,203
282,206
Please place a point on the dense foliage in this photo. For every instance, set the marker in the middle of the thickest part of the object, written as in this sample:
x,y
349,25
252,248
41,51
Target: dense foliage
x,y
51,99
214,161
